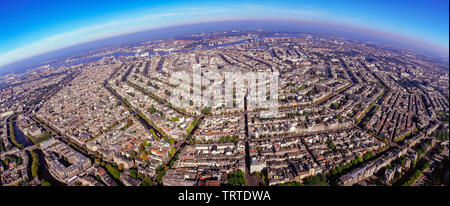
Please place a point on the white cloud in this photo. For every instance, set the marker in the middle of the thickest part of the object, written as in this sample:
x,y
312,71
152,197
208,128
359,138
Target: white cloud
x,y
148,19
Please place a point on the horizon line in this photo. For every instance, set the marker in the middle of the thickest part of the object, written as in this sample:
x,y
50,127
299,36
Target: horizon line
x,y
355,29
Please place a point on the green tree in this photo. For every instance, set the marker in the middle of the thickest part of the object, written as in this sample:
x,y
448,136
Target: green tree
x,y
45,183
236,178
147,182
360,159
34,164
205,110
113,171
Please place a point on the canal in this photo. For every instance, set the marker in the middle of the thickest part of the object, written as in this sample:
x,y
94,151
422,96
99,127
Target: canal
x,y
43,168
20,136
43,171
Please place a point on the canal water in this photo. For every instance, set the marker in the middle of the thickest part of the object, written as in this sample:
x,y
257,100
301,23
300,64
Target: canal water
x,y
20,136
43,168
44,173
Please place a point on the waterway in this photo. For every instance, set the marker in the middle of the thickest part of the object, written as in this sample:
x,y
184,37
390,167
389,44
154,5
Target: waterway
x,y
43,168
20,136
44,173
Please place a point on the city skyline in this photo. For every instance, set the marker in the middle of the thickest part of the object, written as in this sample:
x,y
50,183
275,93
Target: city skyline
x,y
75,23
311,93
342,112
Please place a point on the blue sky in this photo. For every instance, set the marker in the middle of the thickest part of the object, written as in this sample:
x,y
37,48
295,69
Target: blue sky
x,y
32,27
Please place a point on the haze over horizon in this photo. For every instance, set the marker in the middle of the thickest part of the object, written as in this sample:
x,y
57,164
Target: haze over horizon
x,y
31,28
